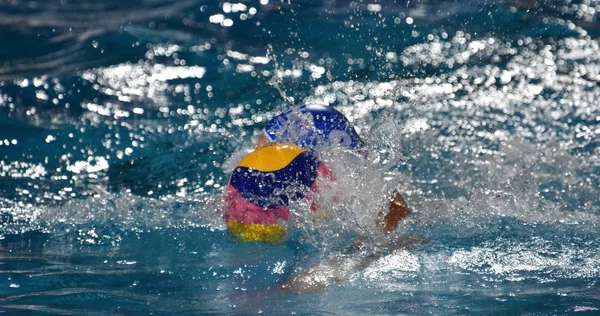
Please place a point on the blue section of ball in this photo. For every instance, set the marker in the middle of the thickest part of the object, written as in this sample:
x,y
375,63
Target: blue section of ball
x,y
274,189
311,126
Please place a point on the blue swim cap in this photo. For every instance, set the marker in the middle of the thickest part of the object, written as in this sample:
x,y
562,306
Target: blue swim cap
x,y
312,126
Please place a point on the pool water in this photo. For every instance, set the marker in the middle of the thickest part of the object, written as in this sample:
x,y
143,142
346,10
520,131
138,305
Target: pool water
x,y
120,122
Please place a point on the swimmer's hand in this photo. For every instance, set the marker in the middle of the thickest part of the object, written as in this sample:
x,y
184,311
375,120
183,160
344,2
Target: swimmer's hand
x,y
398,210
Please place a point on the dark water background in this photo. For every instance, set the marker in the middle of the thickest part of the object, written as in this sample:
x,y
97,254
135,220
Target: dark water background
x,y
119,120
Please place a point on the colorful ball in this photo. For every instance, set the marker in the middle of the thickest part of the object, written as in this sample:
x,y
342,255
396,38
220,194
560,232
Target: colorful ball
x,y
260,188
311,126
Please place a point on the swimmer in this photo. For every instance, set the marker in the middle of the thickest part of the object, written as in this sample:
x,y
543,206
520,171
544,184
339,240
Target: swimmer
x,y
284,166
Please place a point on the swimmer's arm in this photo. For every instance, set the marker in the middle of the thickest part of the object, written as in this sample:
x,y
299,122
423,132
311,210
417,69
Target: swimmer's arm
x,y
339,268
325,273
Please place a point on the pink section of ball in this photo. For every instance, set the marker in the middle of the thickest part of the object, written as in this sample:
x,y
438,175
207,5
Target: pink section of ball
x,y
243,211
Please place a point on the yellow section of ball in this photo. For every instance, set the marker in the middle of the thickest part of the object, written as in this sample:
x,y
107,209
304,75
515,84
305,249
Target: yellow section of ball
x,y
271,158
269,233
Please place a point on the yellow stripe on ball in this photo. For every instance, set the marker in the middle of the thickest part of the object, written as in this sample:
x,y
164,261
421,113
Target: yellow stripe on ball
x,y
269,233
271,158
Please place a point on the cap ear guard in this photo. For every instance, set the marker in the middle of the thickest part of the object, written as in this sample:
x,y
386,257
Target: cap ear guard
x,y
338,137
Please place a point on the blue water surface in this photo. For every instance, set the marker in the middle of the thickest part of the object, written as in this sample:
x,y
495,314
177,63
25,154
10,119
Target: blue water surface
x,y
120,122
